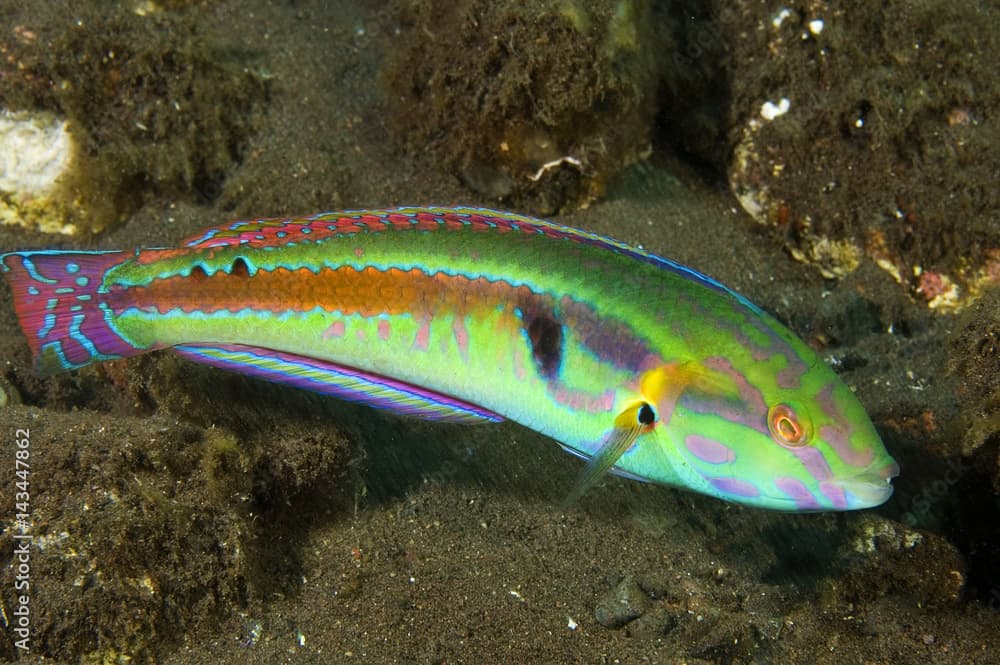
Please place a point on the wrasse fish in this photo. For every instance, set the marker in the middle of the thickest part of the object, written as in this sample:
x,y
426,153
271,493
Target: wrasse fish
x,y
639,365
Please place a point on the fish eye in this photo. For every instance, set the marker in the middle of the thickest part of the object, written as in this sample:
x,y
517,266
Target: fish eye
x,y
787,426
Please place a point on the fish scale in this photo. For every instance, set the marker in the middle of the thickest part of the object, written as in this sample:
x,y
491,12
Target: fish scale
x,y
639,365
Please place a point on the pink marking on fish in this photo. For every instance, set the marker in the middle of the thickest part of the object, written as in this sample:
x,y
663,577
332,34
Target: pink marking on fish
x,y
814,462
520,371
748,393
336,329
757,352
734,486
788,377
797,491
423,337
461,337
750,414
384,330
709,450
581,401
359,252
791,377
361,335
650,362
835,493
840,440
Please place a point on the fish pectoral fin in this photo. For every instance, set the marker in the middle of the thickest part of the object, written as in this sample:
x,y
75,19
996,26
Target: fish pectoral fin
x,y
627,428
347,383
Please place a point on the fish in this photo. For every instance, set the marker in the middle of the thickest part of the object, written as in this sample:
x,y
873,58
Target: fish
x,y
639,365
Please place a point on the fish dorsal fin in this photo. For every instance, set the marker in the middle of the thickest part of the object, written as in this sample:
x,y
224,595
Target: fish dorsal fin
x,y
340,381
261,231
274,232
289,230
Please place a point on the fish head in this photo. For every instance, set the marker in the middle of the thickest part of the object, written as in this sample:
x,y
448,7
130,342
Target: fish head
x,y
762,432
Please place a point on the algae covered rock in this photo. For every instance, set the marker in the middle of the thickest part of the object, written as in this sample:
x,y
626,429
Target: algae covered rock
x,y
535,103
865,131
881,557
144,530
975,361
37,151
114,105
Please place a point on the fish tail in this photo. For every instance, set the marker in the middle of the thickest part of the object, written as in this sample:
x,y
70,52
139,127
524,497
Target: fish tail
x,y
61,306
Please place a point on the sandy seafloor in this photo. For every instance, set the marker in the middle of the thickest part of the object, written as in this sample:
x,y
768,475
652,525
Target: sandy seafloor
x,y
365,538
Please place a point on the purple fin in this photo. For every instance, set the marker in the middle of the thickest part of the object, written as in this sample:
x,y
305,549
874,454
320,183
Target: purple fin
x,y
60,305
344,382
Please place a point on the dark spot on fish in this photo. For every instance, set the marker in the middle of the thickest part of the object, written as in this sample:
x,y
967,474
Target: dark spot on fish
x,y
239,268
646,415
198,273
546,335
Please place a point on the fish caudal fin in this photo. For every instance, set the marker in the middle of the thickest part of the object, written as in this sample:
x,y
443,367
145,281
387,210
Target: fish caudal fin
x,y
60,306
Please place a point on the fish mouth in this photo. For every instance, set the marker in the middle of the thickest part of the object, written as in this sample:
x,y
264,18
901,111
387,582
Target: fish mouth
x,y
870,488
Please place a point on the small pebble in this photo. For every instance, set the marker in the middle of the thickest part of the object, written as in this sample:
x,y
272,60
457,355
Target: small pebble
x,y
654,623
621,604
8,394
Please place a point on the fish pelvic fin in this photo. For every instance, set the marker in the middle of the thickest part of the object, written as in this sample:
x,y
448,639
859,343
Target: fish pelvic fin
x,y
60,304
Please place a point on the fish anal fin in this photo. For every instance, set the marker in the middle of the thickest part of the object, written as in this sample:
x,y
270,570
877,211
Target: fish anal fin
x,y
341,381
